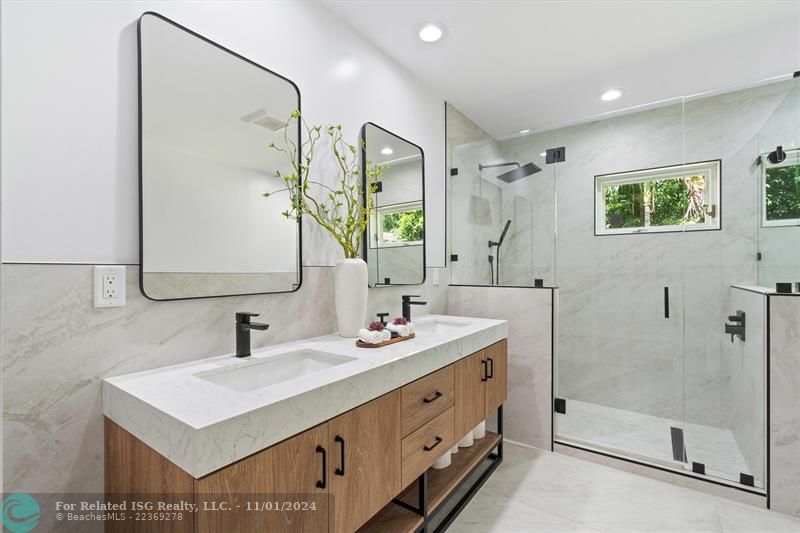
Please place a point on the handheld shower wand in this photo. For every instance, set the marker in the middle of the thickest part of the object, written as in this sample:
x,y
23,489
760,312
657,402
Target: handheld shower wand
x,y
498,244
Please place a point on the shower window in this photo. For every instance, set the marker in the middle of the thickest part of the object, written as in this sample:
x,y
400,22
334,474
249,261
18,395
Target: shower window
x,y
781,195
674,198
398,225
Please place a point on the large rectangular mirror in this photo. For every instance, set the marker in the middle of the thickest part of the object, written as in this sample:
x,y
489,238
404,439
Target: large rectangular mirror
x,y
207,117
395,240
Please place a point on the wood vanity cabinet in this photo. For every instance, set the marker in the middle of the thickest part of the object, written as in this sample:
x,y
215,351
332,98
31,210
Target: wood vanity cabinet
x,y
287,472
481,381
363,461
360,451
342,472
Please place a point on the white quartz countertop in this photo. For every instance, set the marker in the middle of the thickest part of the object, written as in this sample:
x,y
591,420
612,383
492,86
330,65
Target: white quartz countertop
x,y
202,426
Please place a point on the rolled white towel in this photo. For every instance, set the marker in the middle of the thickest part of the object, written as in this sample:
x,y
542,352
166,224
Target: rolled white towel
x,y
400,329
411,328
387,335
370,337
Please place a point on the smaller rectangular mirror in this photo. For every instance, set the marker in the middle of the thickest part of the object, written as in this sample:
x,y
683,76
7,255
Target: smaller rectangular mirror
x,y
394,246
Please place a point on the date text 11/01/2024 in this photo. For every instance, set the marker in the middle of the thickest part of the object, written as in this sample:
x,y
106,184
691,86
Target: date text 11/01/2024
x,y
186,506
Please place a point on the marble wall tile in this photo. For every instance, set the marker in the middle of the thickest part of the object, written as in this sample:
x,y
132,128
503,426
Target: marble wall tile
x,y
784,361
56,349
527,413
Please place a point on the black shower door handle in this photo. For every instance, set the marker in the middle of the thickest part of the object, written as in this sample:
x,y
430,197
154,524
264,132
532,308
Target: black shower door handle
x,y
666,302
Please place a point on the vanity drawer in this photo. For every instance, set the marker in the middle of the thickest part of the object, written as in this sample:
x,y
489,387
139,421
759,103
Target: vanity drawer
x,y
428,443
427,397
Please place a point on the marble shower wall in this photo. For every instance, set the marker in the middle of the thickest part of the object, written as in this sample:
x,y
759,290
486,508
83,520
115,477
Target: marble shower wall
x,y
784,422
613,334
527,415
56,349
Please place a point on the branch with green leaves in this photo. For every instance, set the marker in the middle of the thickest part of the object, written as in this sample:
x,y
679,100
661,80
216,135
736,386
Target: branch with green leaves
x,y
341,209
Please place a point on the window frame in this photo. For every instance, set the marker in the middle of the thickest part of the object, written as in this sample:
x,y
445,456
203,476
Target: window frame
x,y
794,154
376,240
711,170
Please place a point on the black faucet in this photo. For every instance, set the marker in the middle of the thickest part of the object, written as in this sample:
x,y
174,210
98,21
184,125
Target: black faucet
x,y
407,303
243,327
737,328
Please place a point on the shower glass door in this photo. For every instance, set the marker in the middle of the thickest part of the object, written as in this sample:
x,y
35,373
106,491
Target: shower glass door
x,y
620,331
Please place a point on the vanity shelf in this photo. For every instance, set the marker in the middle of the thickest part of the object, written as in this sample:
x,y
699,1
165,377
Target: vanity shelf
x,y
441,483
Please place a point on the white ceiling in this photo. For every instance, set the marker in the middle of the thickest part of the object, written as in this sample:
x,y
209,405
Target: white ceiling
x,y
514,65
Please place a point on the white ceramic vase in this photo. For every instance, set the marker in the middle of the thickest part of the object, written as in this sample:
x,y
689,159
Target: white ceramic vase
x,y
350,296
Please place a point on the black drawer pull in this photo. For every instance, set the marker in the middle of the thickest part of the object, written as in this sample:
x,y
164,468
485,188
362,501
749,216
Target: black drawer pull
x,y
435,397
340,471
322,483
429,448
485,376
491,367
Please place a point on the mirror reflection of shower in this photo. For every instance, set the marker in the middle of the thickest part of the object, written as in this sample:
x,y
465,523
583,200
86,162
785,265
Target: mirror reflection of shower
x,y
510,176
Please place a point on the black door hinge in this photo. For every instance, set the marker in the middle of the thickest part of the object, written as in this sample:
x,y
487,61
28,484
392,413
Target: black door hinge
x,y
555,155
560,405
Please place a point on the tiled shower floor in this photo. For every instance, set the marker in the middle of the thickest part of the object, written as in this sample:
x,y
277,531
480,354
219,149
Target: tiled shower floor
x,y
545,492
646,437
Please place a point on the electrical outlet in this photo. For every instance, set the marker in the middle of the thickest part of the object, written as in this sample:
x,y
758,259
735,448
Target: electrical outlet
x,y
109,286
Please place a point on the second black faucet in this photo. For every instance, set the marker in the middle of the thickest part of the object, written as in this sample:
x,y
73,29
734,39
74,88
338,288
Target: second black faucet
x,y
407,303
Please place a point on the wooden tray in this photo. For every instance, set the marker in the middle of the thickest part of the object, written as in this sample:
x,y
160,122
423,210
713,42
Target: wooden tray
x,y
362,344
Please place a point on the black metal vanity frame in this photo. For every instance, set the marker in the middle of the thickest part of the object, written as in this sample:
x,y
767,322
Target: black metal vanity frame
x,y
495,458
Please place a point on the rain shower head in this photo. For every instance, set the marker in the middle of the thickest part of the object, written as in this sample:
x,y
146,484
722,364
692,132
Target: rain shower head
x,y
518,173
522,171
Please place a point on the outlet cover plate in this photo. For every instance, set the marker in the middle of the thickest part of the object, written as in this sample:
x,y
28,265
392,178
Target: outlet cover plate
x,y
109,285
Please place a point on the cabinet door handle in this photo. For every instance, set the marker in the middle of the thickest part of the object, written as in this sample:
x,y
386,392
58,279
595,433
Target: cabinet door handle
x,y
340,471
435,397
435,444
485,376
322,483
491,367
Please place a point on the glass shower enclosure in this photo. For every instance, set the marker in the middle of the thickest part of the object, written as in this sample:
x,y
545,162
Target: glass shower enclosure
x,y
659,228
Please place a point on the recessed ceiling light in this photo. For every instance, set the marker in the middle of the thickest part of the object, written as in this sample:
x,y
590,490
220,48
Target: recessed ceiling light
x,y
387,151
523,132
543,154
611,94
431,32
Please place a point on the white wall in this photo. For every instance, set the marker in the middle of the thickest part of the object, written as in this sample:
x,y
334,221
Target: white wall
x,y
69,114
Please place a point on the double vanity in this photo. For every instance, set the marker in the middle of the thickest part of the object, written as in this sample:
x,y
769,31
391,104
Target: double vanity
x,y
314,435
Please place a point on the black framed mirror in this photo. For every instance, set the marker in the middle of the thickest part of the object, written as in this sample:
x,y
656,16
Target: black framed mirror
x,y
206,118
394,244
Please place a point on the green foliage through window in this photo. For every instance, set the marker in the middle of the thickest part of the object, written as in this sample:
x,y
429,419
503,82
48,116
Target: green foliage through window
x,y
782,192
403,226
665,202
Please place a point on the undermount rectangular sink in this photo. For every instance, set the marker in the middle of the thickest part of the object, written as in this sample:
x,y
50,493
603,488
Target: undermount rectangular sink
x,y
439,325
260,373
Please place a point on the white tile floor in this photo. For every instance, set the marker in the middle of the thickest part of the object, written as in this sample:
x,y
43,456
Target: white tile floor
x,y
539,491
648,437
